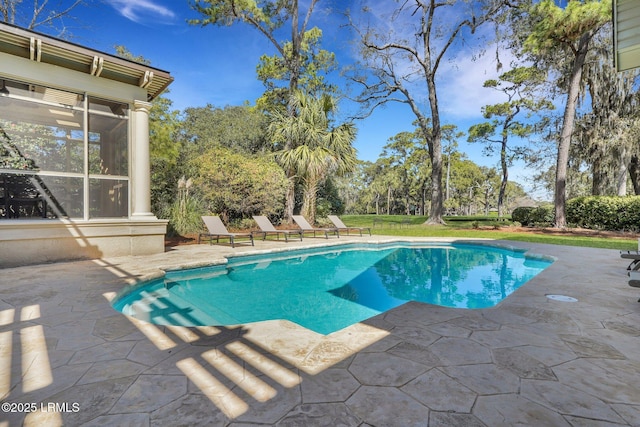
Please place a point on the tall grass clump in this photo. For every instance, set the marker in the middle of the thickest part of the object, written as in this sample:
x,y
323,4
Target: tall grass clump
x,y
186,211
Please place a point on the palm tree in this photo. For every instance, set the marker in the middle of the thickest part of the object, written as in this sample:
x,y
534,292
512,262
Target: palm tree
x,y
314,148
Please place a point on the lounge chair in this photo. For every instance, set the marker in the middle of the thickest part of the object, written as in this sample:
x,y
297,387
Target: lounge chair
x,y
307,228
267,228
633,268
217,230
634,256
341,227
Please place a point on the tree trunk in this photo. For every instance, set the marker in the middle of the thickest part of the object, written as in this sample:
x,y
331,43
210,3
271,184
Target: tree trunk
x,y
389,200
486,201
598,177
309,203
294,69
568,124
621,179
290,199
447,193
505,175
435,153
634,173
407,204
294,66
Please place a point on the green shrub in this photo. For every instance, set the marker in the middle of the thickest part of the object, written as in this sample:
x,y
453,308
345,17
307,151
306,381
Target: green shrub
x,y
324,222
522,215
542,216
605,212
243,224
237,186
323,208
529,216
631,215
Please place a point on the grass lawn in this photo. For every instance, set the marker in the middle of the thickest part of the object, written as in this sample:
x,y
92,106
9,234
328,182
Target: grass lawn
x,y
491,228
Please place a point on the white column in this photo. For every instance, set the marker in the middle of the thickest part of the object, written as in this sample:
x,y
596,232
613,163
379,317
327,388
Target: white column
x,y
141,166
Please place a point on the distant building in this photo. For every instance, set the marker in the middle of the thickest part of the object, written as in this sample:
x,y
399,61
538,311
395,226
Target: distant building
x,y
74,151
525,201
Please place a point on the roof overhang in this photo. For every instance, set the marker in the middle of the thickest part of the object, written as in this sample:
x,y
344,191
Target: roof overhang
x,y
626,34
42,48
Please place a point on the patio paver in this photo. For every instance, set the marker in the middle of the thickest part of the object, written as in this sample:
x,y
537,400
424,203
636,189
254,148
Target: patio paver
x,y
73,360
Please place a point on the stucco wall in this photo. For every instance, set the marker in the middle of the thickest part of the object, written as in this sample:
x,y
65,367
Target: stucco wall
x,y
24,242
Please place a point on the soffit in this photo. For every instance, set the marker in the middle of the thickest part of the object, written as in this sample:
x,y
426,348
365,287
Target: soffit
x,y
42,48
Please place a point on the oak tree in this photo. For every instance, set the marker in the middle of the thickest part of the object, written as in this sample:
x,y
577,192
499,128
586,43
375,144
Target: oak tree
x,y
402,56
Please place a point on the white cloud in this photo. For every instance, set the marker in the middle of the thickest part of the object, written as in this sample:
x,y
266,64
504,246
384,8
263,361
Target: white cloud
x,y
141,10
460,84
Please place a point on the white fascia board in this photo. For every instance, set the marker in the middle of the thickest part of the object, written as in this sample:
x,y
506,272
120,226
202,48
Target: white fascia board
x,y
27,71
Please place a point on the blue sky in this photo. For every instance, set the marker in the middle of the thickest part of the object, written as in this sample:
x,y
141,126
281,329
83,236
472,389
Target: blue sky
x,y
216,65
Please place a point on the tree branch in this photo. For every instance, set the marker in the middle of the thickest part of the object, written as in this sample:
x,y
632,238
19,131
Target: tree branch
x,y
308,16
52,16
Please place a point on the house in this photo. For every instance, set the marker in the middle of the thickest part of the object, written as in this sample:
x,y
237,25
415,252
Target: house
x,y
626,34
74,151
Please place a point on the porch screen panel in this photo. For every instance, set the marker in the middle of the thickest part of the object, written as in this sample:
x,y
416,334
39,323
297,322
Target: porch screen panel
x,y
109,198
108,159
41,152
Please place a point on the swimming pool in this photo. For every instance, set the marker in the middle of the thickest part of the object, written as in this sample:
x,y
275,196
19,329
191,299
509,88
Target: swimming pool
x,y
328,289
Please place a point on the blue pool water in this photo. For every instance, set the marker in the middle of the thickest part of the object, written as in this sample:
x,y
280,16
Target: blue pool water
x,y
326,290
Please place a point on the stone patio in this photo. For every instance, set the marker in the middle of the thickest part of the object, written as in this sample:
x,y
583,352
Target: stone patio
x,y
67,358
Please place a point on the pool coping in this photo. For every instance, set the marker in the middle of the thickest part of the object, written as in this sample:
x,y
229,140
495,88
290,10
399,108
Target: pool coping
x,y
162,270
318,249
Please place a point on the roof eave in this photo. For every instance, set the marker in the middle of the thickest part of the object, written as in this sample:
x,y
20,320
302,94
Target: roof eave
x,y
43,48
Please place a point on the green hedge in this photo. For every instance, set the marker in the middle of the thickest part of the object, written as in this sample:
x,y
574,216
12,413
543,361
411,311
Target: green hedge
x,y
617,213
480,218
522,214
614,213
530,216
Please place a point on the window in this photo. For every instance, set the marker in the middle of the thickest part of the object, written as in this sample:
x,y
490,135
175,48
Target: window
x,y
62,154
